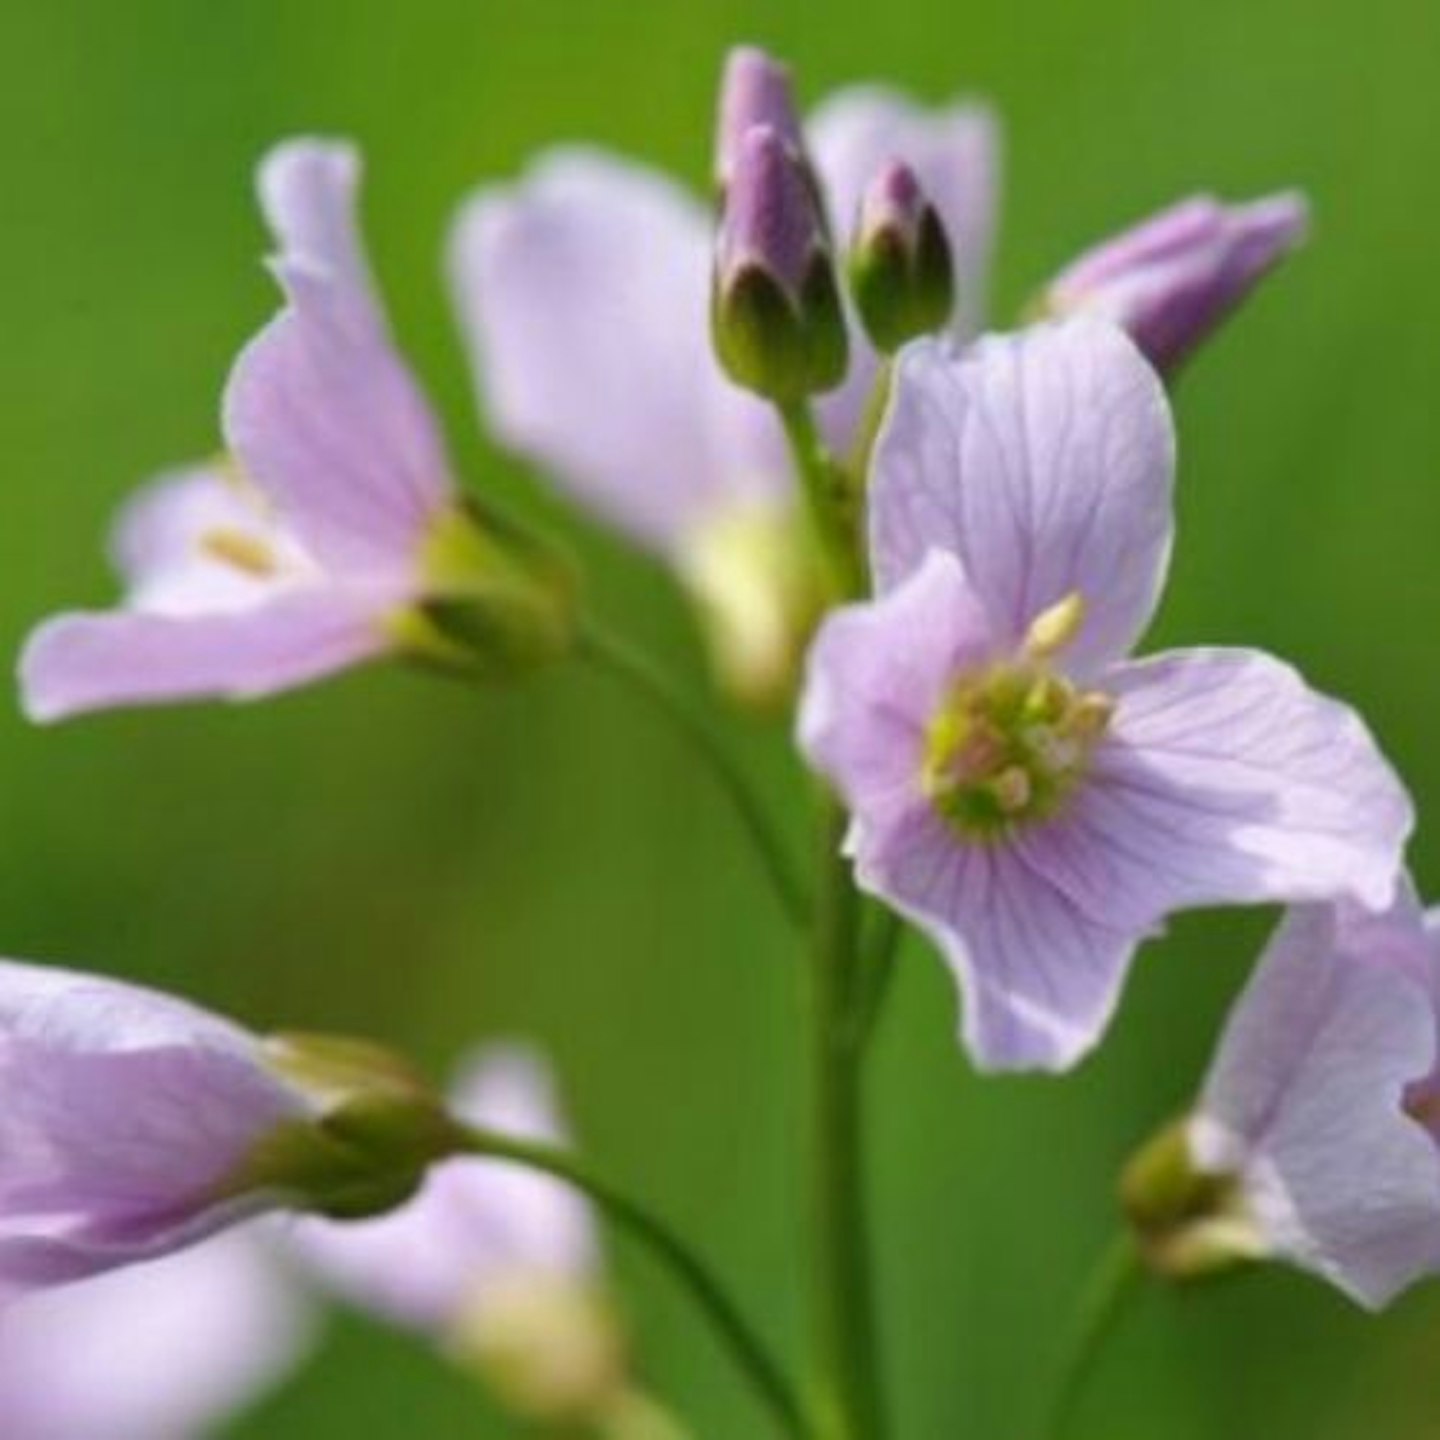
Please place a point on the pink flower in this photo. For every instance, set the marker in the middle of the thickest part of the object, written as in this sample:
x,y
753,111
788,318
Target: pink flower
x,y
583,291
1033,799
335,520
1316,1138
497,1263
166,1350
1172,279
135,1124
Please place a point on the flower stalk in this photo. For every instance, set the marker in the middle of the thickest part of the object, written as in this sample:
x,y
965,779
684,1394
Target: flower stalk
x,y
847,1384
746,1348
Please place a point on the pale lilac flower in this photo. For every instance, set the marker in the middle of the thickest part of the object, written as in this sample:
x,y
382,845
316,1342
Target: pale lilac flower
x,y
1031,798
1315,1138
335,517
135,1124
1173,278
495,1262
166,1350
583,292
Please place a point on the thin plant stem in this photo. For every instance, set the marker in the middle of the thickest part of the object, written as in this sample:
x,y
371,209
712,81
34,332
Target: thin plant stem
x,y
848,1382
746,1349
877,971
830,497
622,660
1110,1287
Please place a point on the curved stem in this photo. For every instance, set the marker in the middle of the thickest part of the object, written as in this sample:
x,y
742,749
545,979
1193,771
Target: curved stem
x,y
746,1349
1108,1289
637,670
844,1321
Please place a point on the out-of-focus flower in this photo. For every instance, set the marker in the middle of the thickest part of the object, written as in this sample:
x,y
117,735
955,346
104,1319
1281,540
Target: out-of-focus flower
x,y
1315,1137
331,535
1036,802
1173,278
776,316
901,272
165,1350
497,1264
135,1124
583,295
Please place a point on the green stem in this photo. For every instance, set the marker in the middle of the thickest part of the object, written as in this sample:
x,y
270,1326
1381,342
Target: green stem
x,y
830,498
877,971
876,404
637,670
732,1329
1108,1289
849,1385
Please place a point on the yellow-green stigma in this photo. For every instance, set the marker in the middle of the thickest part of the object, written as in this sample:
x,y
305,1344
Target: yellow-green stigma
x,y
1010,741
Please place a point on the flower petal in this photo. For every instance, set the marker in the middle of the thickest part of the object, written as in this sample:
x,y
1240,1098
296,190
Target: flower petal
x,y
320,410
1040,977
221,1324
1226,780
582,291
1306,1095
876,674
81,662
1045,461
168,545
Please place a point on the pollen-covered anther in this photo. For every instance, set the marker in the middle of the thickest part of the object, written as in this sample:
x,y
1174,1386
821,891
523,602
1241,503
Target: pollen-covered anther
x,y
241,551
1009,743
1054,629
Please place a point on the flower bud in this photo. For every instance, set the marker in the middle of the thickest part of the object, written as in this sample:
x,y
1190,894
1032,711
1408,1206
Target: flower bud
x,y
499,602
1189,1222
754,90
901,271
776,315
1172,279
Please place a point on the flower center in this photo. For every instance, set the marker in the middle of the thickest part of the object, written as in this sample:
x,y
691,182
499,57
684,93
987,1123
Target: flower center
x,y
1010,741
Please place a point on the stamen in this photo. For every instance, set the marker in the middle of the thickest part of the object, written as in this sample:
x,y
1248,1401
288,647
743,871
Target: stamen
x,y
242,551
1054,629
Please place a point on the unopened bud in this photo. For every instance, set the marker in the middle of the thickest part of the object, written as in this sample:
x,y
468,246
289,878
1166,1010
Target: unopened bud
x,y
1172,279
902,274
754,90
778,324
1189,1222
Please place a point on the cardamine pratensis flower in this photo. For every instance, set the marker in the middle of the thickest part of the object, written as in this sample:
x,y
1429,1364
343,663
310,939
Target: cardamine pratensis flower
x,y
169,1349
1031,798
1316,1139
584,293
135,1124
499,1265
1170,280
332,534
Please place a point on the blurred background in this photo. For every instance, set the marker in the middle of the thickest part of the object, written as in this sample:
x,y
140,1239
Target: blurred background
x,y
401,857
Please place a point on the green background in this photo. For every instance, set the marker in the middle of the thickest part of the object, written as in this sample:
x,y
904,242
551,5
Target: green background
x,y
430,865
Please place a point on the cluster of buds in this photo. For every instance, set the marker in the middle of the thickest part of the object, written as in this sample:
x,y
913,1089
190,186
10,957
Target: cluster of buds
x,y
779,319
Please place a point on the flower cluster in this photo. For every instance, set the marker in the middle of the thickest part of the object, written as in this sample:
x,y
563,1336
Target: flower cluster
x,y
940,542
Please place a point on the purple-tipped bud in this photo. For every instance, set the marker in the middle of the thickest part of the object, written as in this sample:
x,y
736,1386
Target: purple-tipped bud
x,y
754,90
1172,279
778,324
902,274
